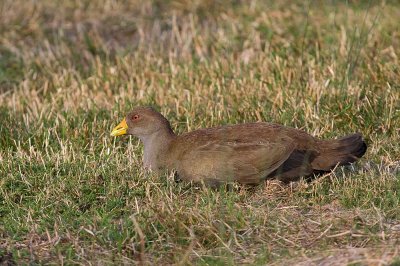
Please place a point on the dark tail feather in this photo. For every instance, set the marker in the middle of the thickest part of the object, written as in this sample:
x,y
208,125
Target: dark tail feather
x,y
339,152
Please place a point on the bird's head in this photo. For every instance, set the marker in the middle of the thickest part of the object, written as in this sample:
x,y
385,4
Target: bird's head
x,y
141,122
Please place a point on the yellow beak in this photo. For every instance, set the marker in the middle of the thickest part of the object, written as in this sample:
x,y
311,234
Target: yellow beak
x,y
121,129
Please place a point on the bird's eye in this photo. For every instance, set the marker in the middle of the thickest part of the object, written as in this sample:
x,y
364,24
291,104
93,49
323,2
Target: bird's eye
x,y
135,117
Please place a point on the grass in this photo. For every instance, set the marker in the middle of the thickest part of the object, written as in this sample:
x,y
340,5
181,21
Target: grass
x,y
70,70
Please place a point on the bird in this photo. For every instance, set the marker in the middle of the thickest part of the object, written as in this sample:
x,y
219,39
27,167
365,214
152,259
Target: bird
x,y
244,153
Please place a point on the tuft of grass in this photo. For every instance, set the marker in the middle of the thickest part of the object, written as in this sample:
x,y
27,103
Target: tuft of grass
x,y
69,70
11,70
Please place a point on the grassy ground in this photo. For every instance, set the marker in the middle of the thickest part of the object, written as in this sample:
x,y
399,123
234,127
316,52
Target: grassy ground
x,y
70,70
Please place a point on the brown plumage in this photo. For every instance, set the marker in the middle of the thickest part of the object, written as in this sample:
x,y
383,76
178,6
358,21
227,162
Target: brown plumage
x,y
246,153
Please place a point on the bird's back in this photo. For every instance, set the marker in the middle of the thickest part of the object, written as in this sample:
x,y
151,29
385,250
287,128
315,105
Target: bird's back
x,y
260,132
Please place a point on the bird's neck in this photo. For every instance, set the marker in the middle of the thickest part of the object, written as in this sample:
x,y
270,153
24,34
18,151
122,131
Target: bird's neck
x,y
155,148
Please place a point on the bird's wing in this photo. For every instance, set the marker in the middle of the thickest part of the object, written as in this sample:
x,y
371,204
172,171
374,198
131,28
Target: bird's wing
x,y
245,162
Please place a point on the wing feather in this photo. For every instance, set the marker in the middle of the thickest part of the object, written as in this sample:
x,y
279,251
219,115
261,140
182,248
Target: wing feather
x,y
247,162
